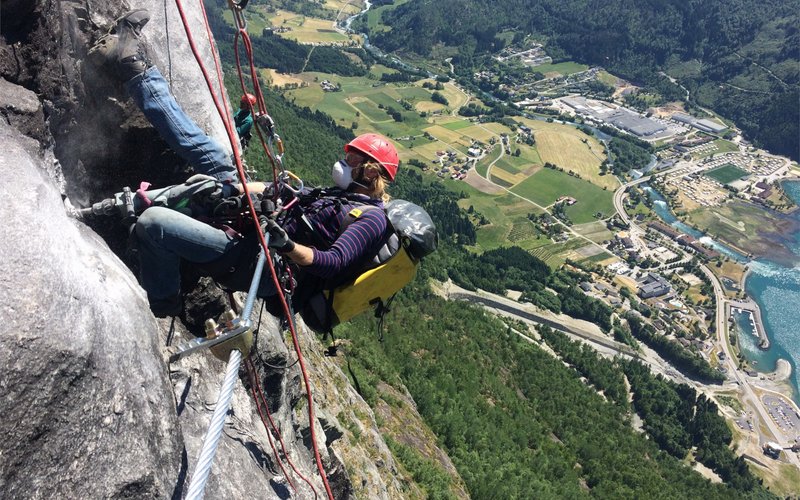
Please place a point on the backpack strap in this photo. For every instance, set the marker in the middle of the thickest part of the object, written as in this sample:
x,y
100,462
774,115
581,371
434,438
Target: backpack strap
x,y
354,215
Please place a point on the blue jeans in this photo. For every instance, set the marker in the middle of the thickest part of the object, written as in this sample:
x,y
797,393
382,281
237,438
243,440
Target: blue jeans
x,y
165,236
151,93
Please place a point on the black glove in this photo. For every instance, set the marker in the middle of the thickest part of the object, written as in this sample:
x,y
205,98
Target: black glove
x,y
278,239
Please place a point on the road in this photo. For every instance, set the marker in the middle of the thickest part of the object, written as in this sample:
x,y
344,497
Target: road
x,y
576,329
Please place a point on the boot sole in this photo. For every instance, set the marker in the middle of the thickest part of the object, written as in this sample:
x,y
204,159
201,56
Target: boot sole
x,y
136,19
106,47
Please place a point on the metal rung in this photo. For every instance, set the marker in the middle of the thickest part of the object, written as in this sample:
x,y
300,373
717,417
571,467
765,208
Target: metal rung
x,y
204,343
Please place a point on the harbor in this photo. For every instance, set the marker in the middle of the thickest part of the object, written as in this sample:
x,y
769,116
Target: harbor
x,y
755,319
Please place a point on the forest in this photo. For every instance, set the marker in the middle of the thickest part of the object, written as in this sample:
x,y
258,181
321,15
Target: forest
x,y
738,57
281,54
626,156
519,424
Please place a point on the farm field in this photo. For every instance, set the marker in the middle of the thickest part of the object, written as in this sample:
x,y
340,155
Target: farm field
x,y
564,68
564,145
483,164
455,97
726,173
547,185
343,8
595,231
555,254
304,29
360,101
509,219
279,80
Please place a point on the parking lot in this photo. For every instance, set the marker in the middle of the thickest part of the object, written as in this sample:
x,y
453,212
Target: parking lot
x,y
784,414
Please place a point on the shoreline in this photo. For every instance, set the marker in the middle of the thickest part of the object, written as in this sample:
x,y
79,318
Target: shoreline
x,y
782,372
745,275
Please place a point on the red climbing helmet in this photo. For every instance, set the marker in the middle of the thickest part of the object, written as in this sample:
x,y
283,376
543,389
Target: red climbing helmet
x,y
248,98
379,149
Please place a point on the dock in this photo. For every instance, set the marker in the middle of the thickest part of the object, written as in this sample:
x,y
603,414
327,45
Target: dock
x,y
751,307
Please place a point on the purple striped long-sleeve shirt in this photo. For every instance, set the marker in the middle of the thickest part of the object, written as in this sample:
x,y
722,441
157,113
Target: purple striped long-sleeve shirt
x,y
359,242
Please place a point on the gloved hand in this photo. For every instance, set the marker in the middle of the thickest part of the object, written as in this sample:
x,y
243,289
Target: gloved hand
x,y
196,178
278,239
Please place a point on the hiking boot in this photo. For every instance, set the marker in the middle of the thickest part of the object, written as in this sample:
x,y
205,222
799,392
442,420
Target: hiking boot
x,y
123,47
168,306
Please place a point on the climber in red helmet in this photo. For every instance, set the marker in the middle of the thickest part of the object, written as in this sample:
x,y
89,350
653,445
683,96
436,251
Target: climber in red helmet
x,y
243,119
337,232
317,240
377,148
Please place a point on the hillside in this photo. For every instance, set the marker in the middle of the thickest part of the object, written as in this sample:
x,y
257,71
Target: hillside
x,y
739,58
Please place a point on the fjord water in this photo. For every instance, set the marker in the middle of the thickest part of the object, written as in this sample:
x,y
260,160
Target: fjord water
x,y
776,289
775,286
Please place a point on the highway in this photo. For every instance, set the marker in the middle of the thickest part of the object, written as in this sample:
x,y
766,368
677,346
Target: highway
x,y
517,310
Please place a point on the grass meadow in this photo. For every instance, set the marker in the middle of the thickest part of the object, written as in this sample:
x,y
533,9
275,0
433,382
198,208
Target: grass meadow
x,y
304,29
563,68
726,173
546,186
571,149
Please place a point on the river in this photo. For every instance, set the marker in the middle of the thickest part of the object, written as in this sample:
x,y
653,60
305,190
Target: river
x,y
774,286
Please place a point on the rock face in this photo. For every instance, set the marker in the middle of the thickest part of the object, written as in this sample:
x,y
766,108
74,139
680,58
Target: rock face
x,y
78,429
92,408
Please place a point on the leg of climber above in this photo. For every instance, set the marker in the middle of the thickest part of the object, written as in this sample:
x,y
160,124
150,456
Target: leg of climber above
x,y
165,237
126,52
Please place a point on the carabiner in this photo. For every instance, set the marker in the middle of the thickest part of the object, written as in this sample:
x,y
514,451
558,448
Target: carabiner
x,y
284,179
237,5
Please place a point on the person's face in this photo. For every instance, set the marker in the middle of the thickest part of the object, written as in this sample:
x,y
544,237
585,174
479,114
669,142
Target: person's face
x,y
356,160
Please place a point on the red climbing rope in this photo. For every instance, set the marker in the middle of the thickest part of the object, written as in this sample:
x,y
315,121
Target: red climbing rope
x,y
253,380
260,399
215,56
240,169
